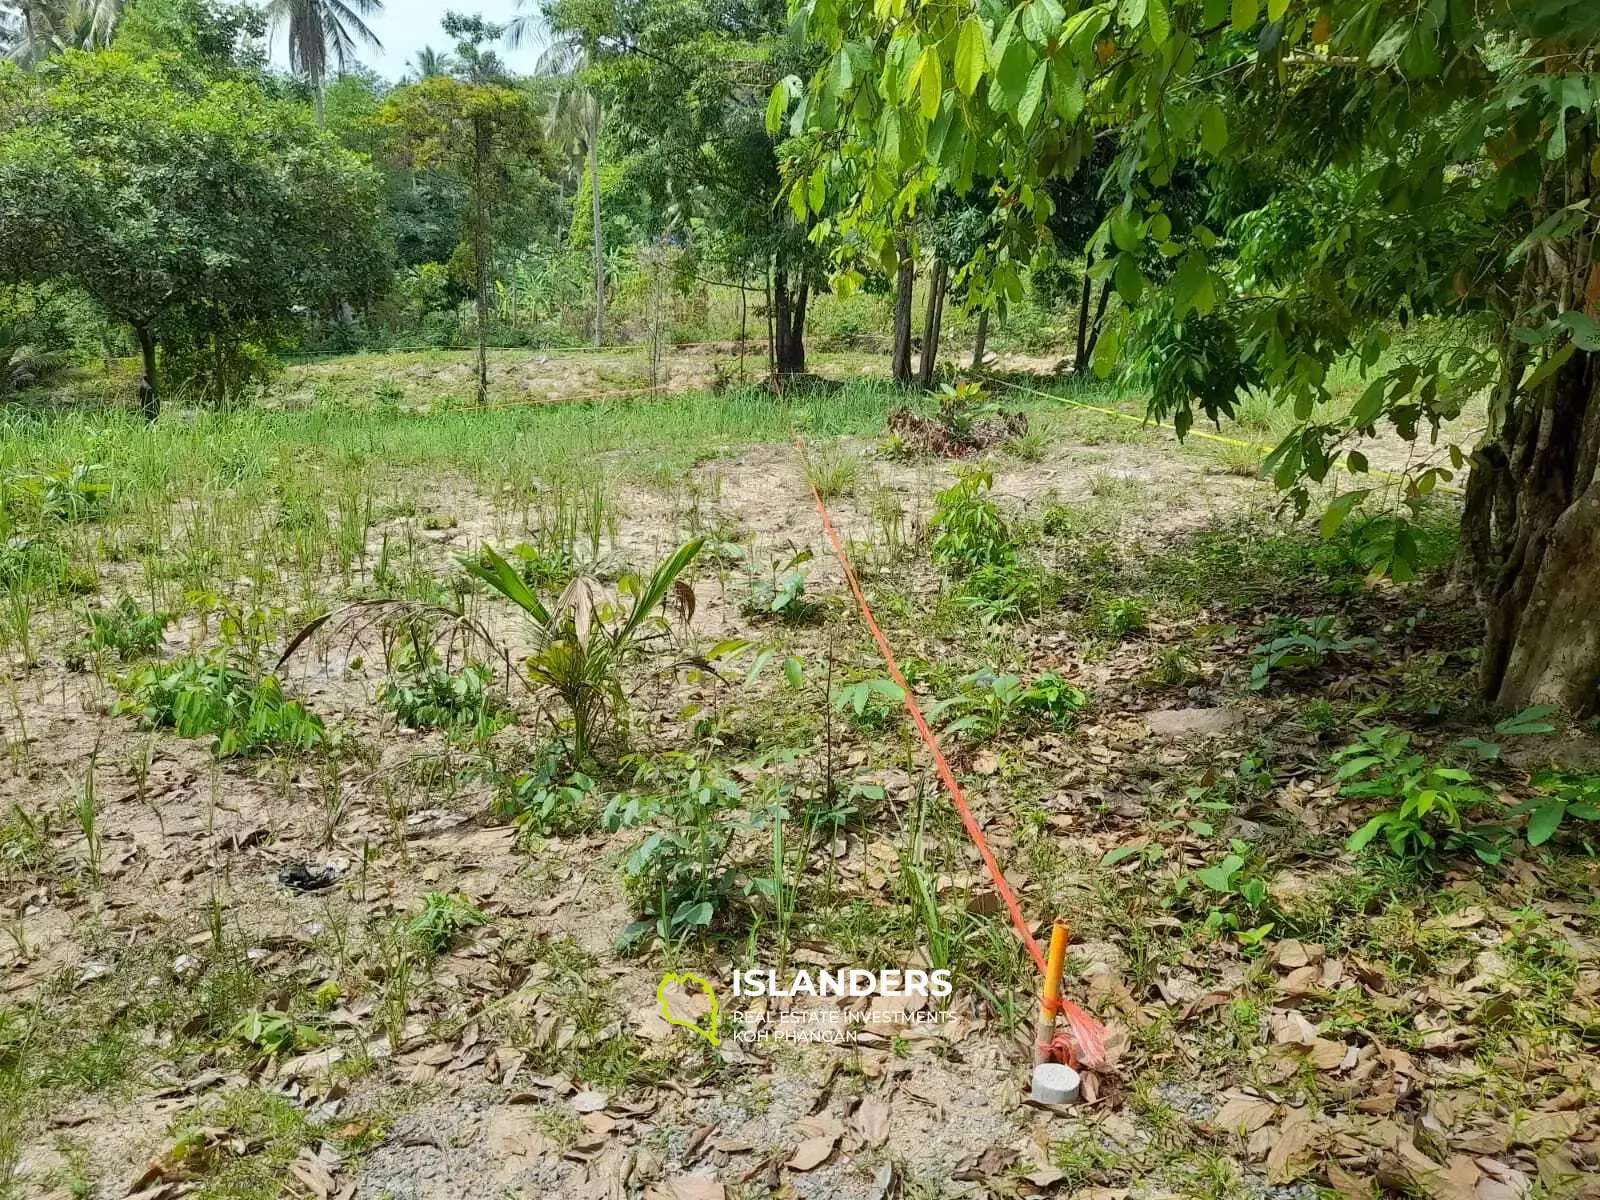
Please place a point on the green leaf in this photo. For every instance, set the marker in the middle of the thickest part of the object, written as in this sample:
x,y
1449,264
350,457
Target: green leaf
x,y
1213,129
1127,850
1132,12
1129,279
1334,517
972,55
777,103
1160,21
1276,9
1550,366
932,83
1032,94
1245,14
1585,333
1529,720
1106,352
794,671
1219,877
1544,820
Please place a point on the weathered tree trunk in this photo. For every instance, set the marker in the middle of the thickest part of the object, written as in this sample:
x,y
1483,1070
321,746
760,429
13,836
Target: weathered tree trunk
x,y
980,340
480,247
932,321
790,295
905,280
1537,551
149,396
599,230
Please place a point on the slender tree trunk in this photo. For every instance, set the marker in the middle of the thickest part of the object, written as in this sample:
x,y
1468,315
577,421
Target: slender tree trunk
x,y
772,339
317,103
790,297
980,340
1097,326
149,397
1080,358
932,323
480,248
905,280
599,230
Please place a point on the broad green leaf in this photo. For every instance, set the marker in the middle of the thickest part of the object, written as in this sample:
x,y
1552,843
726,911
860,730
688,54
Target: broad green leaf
x,y
1334,517
776,104
819,189
932,83
794,671
1245,14
1213,129
1585,333
1127,850
1106,352
1276,9
1544,820
1529,720
1160,21
972,55
1132,12
1032,94
1129,279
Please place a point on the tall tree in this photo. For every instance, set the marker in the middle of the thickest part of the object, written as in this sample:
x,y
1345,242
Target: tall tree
x,y
566,59
1397,158
323,32
473,131
199,211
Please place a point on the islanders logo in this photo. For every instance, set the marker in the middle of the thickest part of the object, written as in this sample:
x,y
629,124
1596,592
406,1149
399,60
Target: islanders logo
x,y
686,1019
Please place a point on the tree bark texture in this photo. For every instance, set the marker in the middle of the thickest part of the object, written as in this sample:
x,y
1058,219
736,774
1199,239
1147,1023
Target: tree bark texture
x,y
933,322
905,280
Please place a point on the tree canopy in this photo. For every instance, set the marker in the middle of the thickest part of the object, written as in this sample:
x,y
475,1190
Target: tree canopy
x,y
192,208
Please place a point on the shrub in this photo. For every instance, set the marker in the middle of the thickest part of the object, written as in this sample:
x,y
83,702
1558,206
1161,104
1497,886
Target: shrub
x,y
124,627
967,529
203,695
427,696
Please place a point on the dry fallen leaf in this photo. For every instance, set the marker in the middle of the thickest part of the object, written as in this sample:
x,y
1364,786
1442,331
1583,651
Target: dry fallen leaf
x,y
687,1187
812,1153
1244,1114
1546,1127
1289,1158
872,1121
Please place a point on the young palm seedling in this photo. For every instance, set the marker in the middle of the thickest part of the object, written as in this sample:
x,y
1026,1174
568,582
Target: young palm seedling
x,y
583,643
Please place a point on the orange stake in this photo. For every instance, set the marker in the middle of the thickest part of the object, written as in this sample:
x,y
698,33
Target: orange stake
x,y
1050,1000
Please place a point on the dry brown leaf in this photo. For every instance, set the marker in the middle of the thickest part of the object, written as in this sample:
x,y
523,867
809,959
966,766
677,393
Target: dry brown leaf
x,y
1290,1157
1347,1185
1244,1114
812,1153
687,1187
1546,1127
872,1121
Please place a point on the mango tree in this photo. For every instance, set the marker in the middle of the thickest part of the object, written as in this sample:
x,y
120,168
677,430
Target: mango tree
x,y
1381,160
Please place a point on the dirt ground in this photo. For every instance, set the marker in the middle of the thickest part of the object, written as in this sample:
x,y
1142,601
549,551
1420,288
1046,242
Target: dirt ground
x,y
470,1089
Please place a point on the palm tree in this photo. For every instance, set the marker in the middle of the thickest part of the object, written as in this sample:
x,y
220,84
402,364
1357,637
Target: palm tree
x,y
572,120
429,62
320,30
31,30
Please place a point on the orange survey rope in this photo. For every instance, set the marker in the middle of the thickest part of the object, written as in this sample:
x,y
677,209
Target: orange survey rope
x,y
1090,1034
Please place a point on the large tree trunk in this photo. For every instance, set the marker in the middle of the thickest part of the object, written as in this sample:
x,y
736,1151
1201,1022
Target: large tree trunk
x,y
149,397
980,340
905,279
480,247
791,293
1539,545
932,322
599,230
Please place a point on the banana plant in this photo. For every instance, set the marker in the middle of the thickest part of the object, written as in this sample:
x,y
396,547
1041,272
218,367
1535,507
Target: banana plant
x,y
583,641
